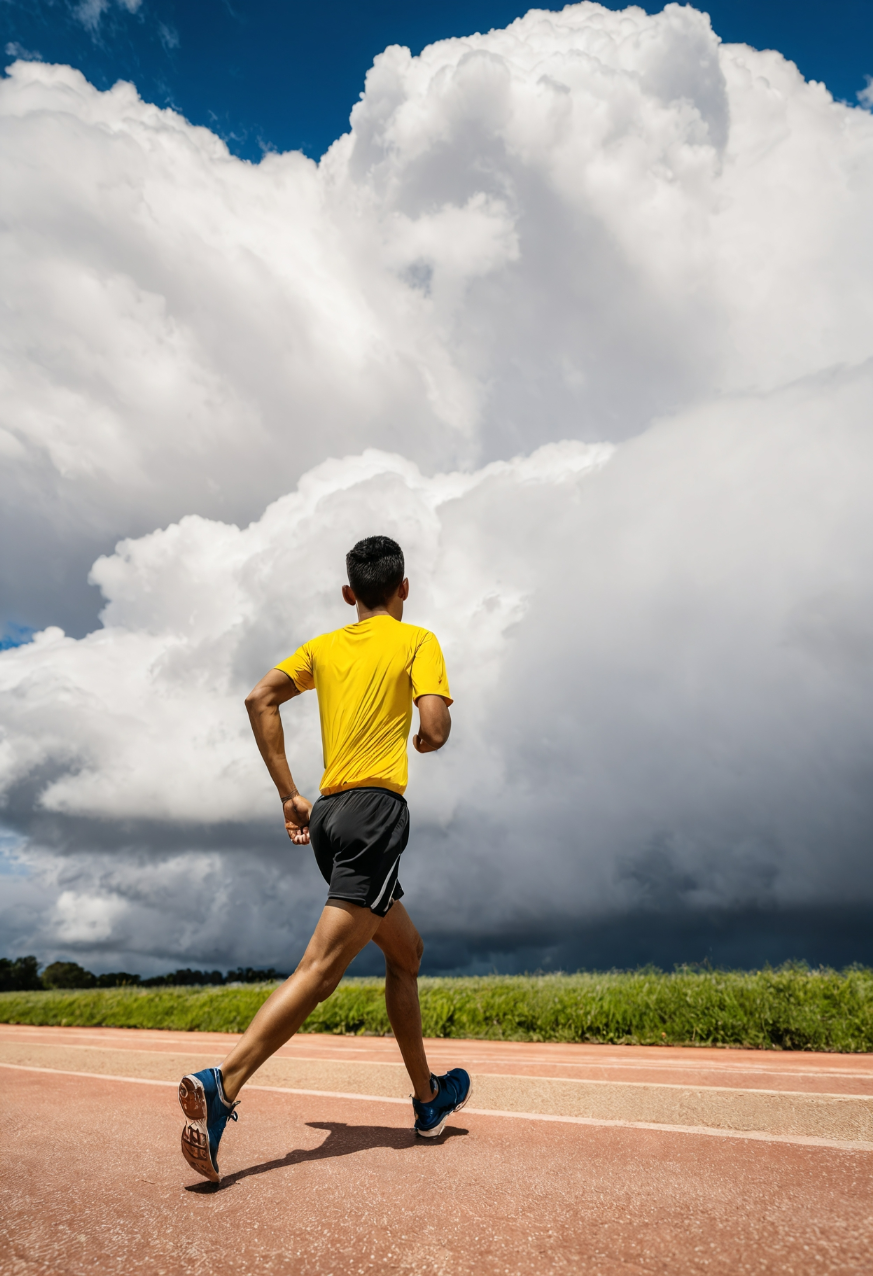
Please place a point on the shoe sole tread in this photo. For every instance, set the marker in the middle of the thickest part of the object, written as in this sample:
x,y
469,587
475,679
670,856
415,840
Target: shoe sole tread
x,y
195,1136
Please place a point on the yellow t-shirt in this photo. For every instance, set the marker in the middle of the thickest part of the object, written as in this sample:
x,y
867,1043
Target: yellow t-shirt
x,y
367,676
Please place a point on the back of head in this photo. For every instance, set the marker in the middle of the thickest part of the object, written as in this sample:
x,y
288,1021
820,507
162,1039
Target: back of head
x,y
375,567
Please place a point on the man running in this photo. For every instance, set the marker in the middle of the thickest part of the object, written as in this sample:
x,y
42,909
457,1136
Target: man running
x,y
367,677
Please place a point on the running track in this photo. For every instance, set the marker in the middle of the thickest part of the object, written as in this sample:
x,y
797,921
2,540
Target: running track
x,y
576,1159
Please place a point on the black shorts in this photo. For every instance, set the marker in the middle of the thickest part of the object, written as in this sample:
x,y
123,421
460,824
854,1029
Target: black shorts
x,y
358,837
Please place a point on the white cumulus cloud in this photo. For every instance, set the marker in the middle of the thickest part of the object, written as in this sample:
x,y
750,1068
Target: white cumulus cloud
x,y
560,230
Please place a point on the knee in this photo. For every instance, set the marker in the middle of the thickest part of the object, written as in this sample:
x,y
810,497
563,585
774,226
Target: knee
x,y
407,962
324,977
327,984
327,989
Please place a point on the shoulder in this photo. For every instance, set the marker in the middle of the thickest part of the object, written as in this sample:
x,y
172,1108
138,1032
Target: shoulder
x,y
321,643
326,640
414,633
418,637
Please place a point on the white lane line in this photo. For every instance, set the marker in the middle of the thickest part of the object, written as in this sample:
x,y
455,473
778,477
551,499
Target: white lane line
x,y
701,1087
273,1089
184,1050
808,1140
447,1044
101,1076
843,1145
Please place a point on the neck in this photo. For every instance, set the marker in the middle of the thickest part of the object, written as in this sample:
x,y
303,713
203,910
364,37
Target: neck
x,y
394,609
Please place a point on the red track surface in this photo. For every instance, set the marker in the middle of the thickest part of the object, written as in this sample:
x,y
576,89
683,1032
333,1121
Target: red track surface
x,y
671,1065
93,1180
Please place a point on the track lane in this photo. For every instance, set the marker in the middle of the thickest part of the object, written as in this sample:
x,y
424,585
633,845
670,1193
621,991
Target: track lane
x,y
322,1186
509,1079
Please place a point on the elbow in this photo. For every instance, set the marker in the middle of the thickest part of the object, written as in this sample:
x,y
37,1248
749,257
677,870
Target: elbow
x,y
435,723
255,701
438,736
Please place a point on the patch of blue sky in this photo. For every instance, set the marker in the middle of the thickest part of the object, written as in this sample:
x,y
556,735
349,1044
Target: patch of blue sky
x,y
11,846
12,635
267,76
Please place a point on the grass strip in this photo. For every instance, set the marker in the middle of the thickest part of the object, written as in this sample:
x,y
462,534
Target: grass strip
x,y
789,1008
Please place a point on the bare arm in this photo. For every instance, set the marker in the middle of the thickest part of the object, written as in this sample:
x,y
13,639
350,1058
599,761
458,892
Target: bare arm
x,y
434,724
274,689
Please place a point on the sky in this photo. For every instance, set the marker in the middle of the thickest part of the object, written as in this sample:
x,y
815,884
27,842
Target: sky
x,y
580,311
284,76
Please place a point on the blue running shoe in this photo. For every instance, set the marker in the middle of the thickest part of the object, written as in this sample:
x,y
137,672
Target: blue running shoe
x,y
454,1089
207,1112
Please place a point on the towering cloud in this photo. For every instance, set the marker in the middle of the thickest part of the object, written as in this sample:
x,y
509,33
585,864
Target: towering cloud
x,y
585,306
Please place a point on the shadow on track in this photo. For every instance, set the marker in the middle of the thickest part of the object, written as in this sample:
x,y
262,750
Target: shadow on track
x,y
342,1140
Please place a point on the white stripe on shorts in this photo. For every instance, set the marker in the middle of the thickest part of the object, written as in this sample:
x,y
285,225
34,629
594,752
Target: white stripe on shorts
x,y
375,903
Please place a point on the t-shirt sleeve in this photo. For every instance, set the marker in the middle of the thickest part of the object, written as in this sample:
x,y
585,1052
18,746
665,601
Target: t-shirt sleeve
x,y
429,677
300,668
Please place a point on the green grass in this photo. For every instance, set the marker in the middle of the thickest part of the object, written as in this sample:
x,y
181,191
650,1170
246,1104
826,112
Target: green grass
x,y
790,1008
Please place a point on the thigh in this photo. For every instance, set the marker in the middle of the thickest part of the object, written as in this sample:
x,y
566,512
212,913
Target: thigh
x,y
343,929
398,937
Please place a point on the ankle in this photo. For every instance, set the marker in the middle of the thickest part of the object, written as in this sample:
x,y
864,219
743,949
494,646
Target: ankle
x,y
229,1087
427,1093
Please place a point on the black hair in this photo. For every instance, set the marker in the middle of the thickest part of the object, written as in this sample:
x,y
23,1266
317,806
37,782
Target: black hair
x,y
375,567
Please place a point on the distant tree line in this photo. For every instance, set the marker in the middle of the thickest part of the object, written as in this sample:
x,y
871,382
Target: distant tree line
x,y
22,974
